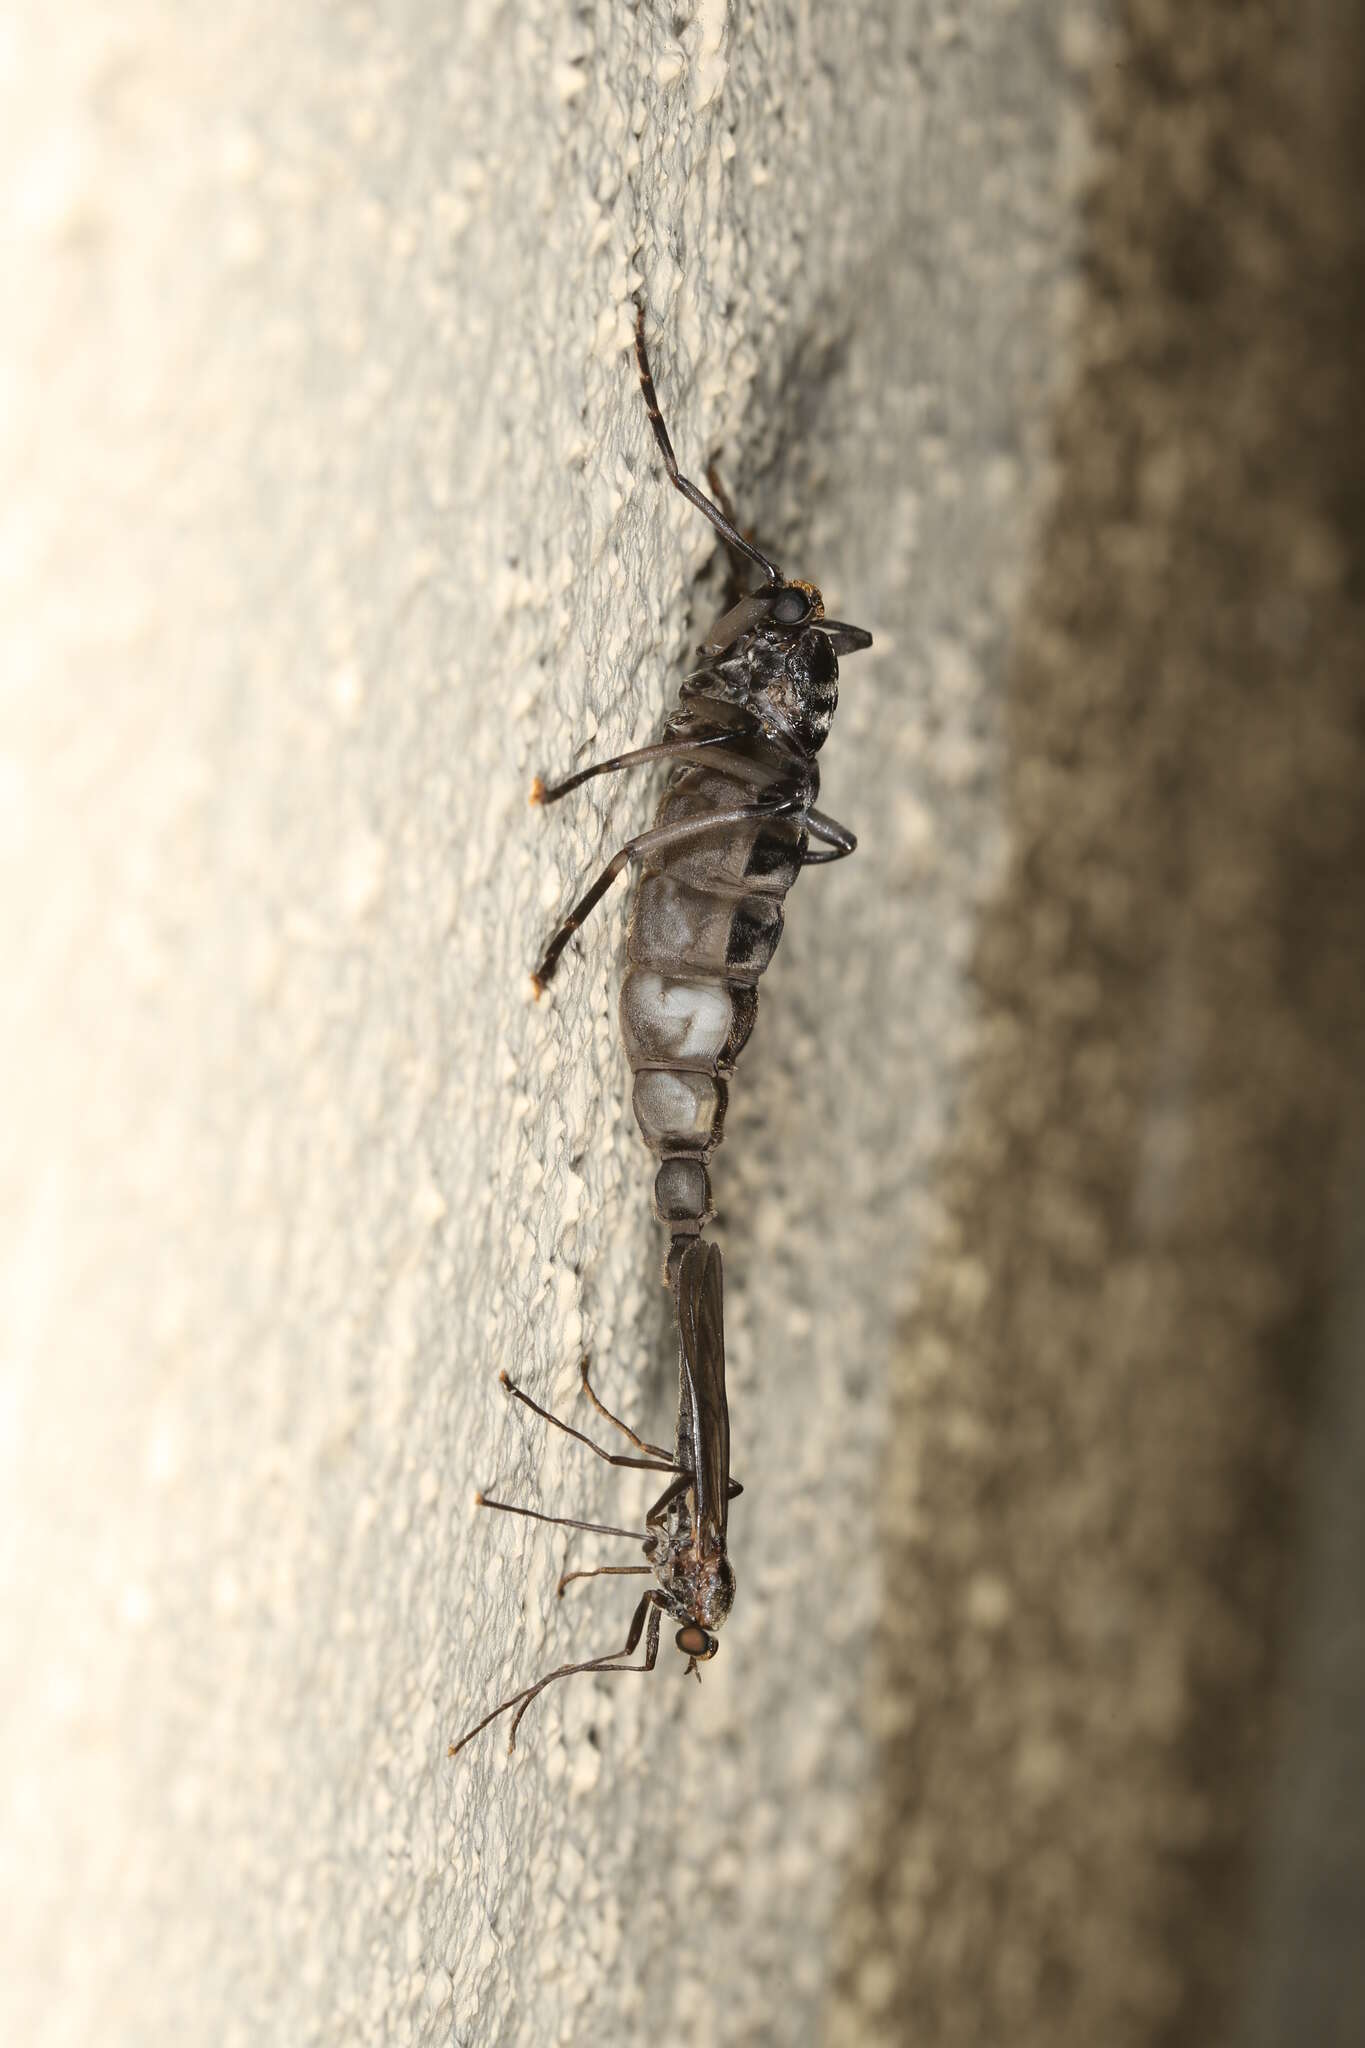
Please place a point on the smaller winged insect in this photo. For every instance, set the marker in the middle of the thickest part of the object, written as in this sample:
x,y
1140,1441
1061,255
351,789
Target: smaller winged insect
x,y
685,1530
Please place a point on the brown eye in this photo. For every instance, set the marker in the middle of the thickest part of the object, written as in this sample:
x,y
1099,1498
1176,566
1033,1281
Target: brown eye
x,y
695,1642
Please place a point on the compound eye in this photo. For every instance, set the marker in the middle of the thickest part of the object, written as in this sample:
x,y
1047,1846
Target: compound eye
x,y
695,1642
791,607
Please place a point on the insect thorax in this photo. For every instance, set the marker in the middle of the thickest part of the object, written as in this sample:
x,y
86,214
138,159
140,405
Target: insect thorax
x,y
694,1589
790,680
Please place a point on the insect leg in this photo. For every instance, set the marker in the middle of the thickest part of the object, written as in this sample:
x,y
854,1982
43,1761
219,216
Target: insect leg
x,y
726,528
507,1507
662,750
838,837
603,1571
719,492
611,1662
843,638
659,839
735,583
667,1498
661,1463
655,1450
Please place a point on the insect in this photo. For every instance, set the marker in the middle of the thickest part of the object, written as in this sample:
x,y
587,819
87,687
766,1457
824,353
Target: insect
x,y
685,1530
733,831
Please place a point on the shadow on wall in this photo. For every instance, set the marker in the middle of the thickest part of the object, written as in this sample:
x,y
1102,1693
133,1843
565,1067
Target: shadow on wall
x,y
1095,1483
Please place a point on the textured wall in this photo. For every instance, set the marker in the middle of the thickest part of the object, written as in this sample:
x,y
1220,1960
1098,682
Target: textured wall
x,y
333,517
1097,1483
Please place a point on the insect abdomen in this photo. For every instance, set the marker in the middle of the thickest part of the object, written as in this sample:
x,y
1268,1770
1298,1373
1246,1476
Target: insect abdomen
x,y
705,925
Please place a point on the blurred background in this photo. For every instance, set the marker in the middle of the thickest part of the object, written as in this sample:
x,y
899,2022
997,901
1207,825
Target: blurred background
x,y
331,517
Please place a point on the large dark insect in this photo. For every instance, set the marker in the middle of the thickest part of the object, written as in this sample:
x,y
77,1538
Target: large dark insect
x,y
731,835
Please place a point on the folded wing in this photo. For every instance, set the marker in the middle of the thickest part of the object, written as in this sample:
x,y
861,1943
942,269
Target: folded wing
x,y
701,1327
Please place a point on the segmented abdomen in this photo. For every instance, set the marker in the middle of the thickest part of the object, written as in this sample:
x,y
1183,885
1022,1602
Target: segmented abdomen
x,y
706,922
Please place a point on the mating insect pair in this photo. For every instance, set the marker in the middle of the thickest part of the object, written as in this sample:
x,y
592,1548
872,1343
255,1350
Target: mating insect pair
x,y
733,831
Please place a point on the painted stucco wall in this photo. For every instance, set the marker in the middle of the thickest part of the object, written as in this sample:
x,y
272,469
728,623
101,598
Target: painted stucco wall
x,y
332,516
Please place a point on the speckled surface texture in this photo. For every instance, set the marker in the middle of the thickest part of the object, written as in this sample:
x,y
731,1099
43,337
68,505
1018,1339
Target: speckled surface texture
x,y
1096,1495
333,518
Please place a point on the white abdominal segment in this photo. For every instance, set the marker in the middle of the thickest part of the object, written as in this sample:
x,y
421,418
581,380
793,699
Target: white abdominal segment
x,y
675,1020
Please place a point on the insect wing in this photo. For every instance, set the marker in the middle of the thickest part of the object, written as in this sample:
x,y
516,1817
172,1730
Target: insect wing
x,y
701,1325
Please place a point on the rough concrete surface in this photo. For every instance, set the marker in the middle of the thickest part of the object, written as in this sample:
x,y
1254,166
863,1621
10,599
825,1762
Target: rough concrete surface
x,y
1124,1461
331,517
